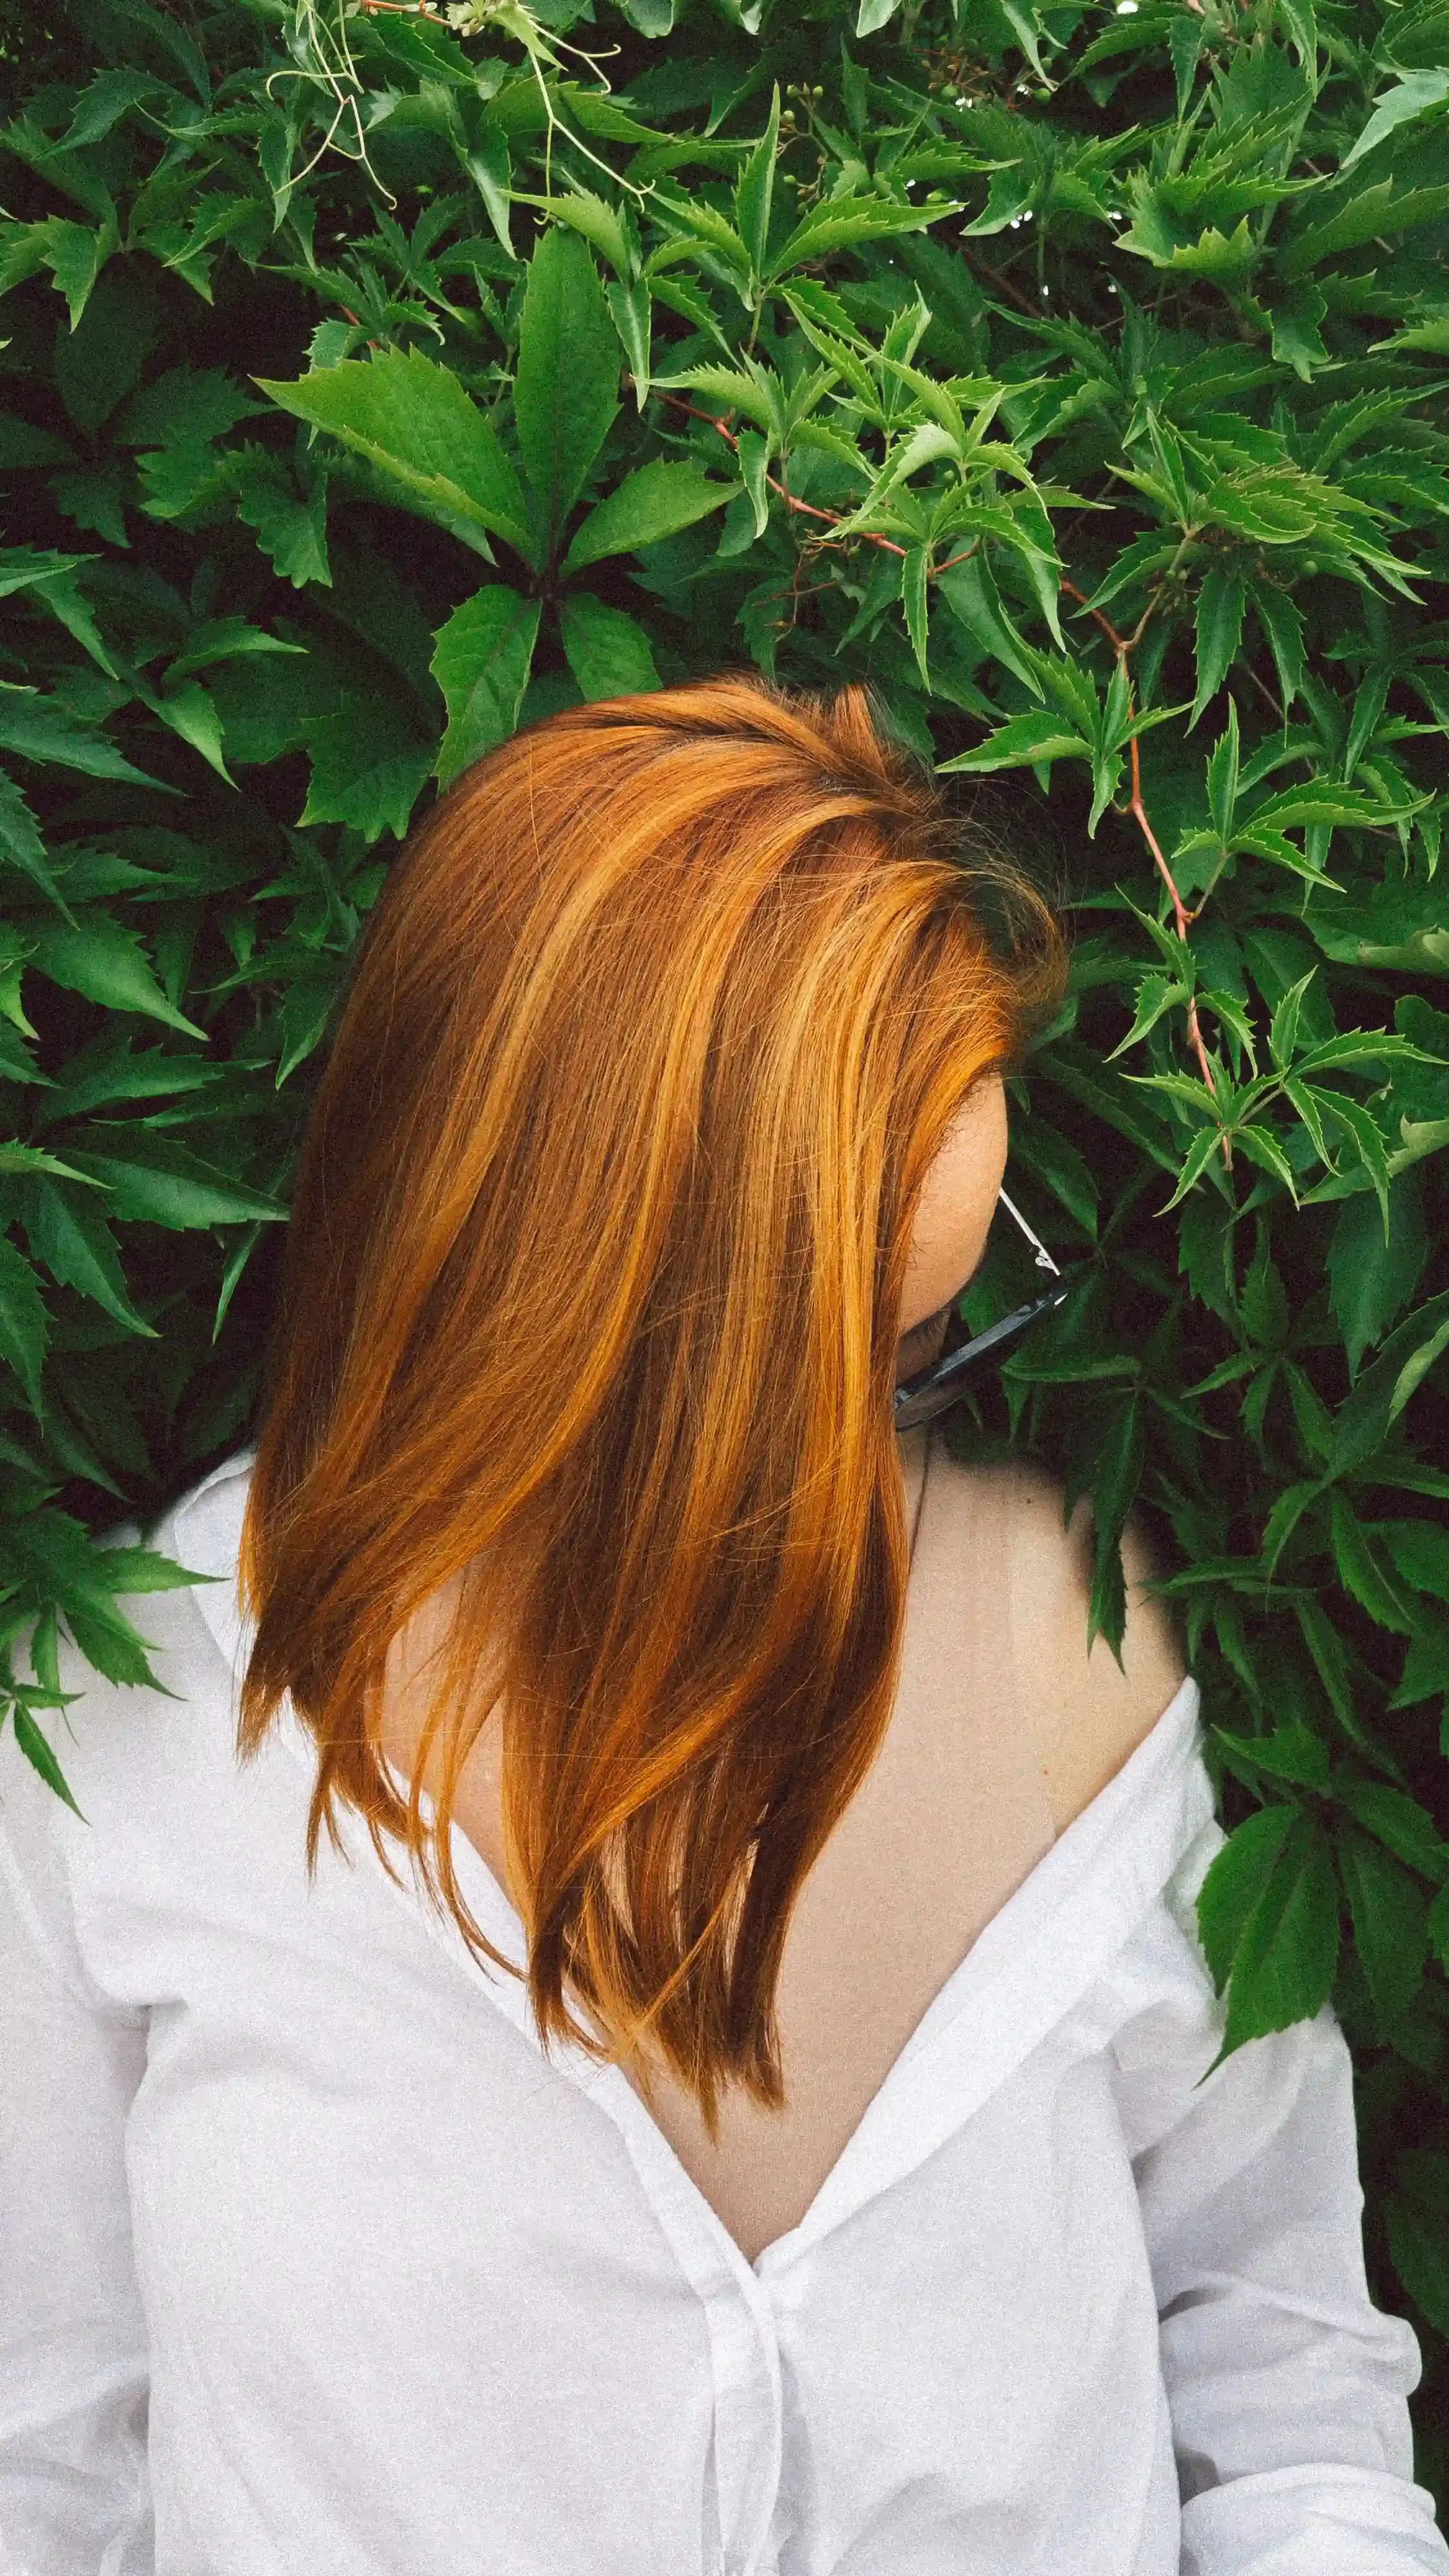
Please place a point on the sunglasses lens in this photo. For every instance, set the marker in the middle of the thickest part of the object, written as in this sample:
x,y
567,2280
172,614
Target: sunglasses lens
x,y
932,1389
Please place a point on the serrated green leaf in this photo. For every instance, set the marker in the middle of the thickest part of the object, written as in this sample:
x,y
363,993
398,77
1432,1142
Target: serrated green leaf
x,y
368,769
155,1181
655,501
1414,94
37,1751
72,1237
412,420
481,662
1019,743
755,187
1372,1275
1362,1571
565,339
1284,1966
606,649
1390,1915
1290,1753
1283,1029
838,224
1222,774
1235,1882
914,574
1399,1822
24,1327
592,217
1219,628
99,957
1279,617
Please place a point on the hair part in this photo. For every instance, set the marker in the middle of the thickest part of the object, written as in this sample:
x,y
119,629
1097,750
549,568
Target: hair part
x,y
590,1300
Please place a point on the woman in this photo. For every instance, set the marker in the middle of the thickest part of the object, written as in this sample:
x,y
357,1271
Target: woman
x,y
766,2138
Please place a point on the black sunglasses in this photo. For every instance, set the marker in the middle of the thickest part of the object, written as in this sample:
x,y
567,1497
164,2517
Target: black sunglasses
x,y
919,1398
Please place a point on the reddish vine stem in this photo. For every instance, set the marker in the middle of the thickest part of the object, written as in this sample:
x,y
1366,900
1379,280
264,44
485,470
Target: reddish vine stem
x,y
1123,647
792,501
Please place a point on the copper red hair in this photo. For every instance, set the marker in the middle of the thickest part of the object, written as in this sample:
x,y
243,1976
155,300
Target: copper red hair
x,y
592,1289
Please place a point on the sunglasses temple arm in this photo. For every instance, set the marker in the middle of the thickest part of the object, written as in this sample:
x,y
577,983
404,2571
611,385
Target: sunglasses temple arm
x,y
1044,1260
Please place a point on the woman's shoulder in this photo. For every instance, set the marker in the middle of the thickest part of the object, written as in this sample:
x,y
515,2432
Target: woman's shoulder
x,y
1088,1710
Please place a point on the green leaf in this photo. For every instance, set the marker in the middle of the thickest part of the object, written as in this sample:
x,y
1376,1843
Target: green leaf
x,y
1291,1752
42,730
1363,1420
190,712
1282,623
630,309
1364,1134
1390,1916
566,391
654,502
914,575
1362,1572
1284,1966
124,1570
1056,1163
1295,312
1219,627
752,454
1222,774
1420,1554
36,1749
481,661
969,591
1414,95
102,358
21,844
412,420
1373,1276
368,769
1283,1031
1261,1146
844,223
490,168
1155,994
1399,1822
1331,1664
606,649
99,957
1115,1479
157,1182
755,188
592,217
71,1236
1236,1880
23,1325
1019,744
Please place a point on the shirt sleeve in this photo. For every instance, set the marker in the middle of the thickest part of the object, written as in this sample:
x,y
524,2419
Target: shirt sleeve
x,y
1287,2387
74,2480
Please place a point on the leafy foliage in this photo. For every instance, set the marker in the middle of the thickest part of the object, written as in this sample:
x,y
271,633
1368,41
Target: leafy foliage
x,y
379,379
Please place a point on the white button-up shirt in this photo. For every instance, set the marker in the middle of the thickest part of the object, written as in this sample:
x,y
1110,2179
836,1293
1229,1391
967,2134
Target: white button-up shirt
x,y
313,2263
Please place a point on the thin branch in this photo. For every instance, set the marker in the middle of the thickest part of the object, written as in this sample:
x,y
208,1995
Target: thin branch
x,y
809,509
791,499
1123,646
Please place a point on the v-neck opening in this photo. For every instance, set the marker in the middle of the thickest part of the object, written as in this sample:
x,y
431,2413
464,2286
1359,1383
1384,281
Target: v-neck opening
x,y
1023,1915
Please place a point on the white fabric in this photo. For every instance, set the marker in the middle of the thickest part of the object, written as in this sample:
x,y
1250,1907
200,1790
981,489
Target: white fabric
x,y
313,2263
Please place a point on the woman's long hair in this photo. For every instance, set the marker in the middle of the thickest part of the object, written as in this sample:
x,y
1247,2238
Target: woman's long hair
x,y
592,1288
